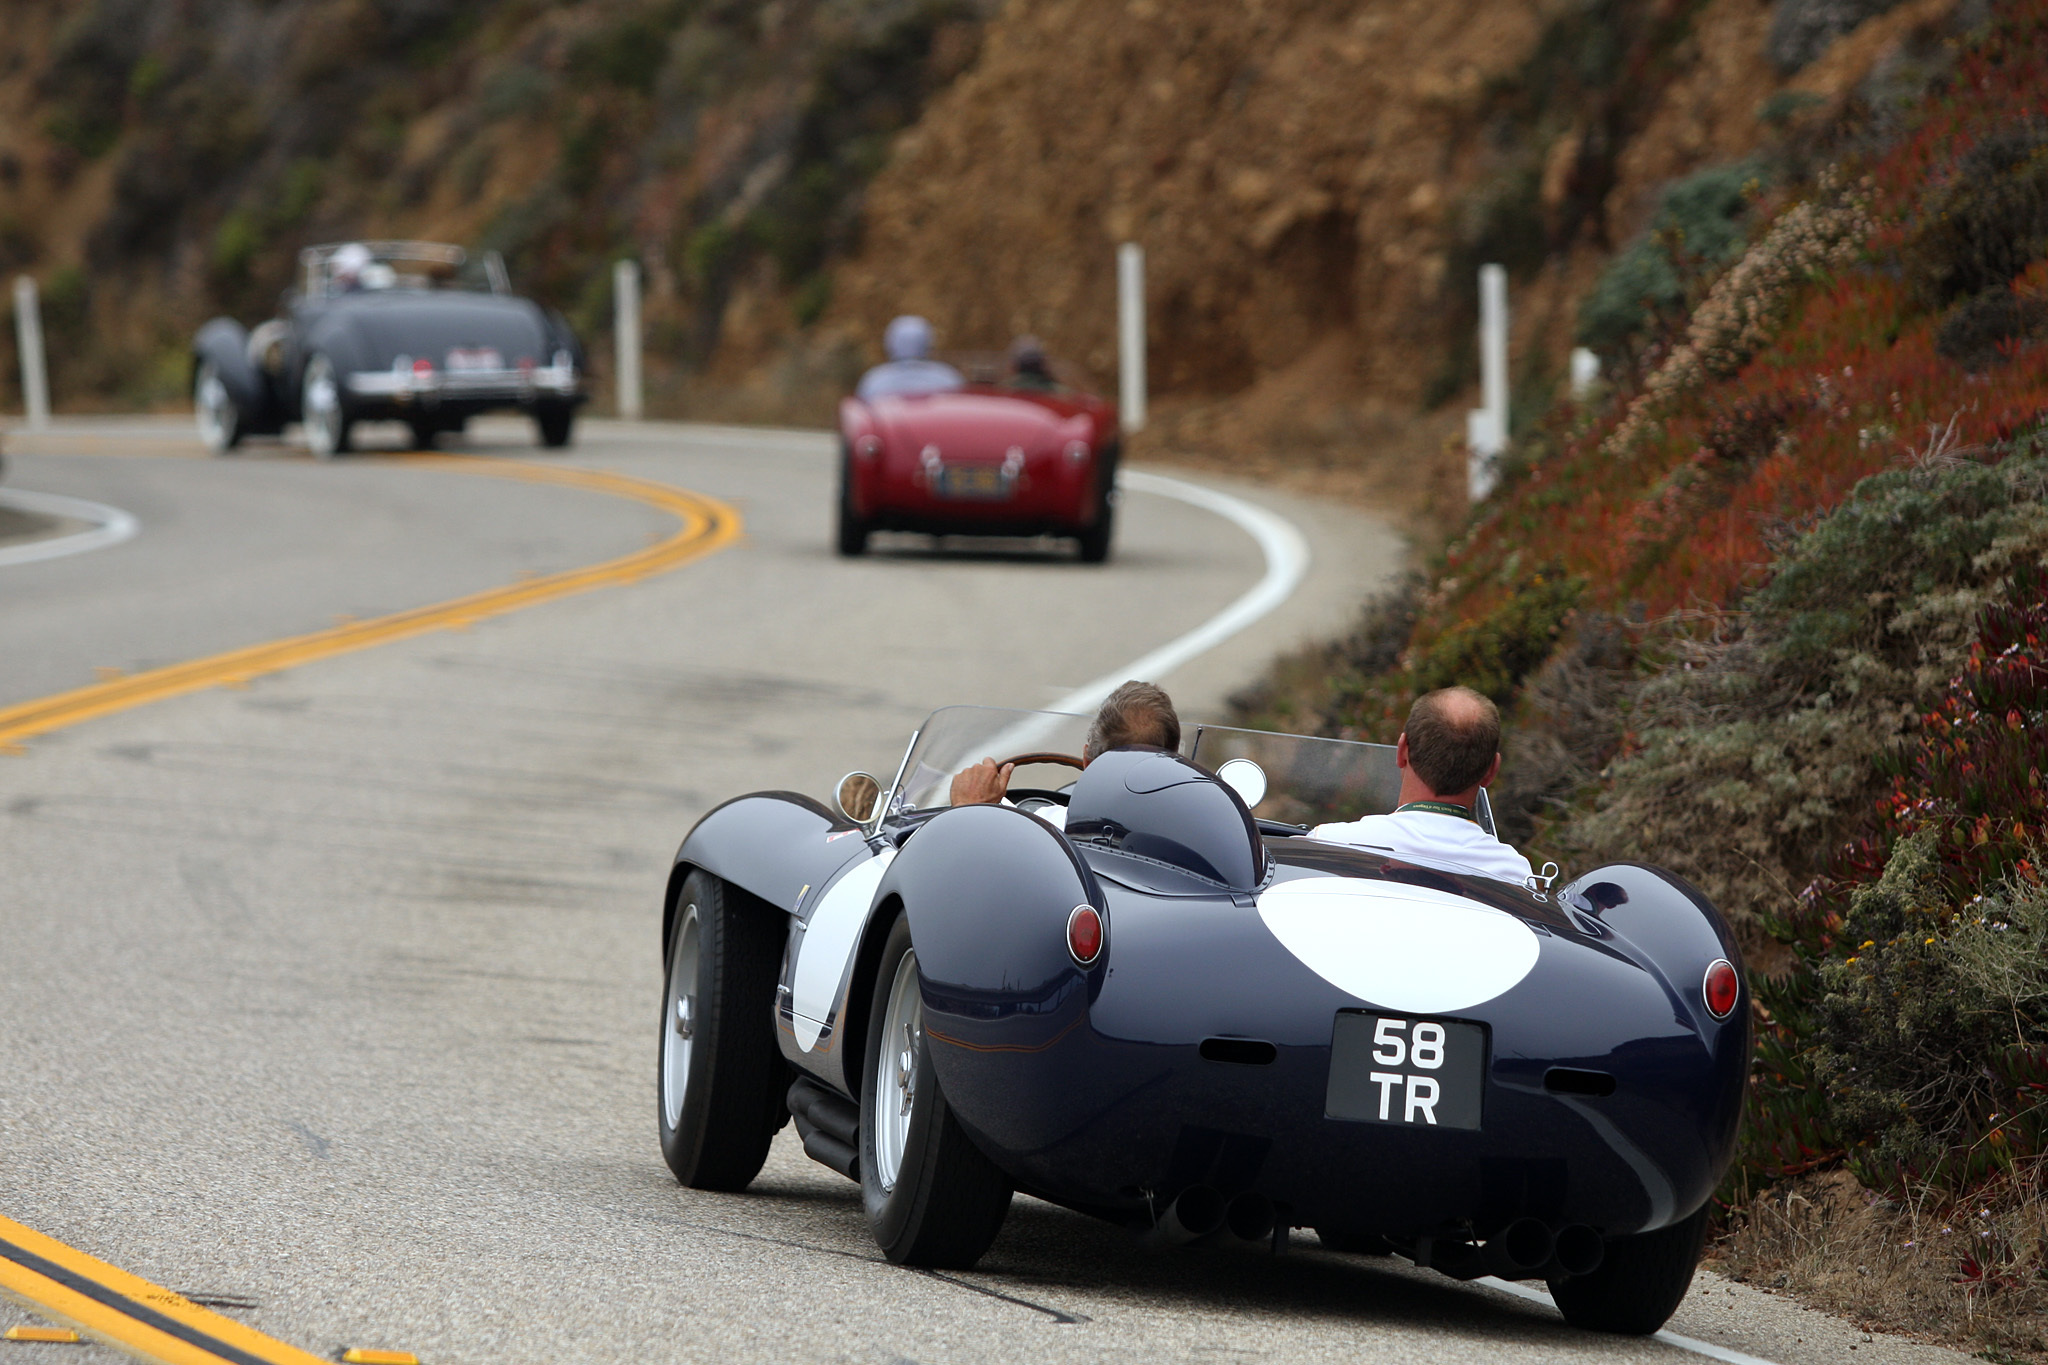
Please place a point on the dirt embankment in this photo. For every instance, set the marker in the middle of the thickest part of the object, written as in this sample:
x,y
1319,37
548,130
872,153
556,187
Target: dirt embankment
x,y
1314,184
163,163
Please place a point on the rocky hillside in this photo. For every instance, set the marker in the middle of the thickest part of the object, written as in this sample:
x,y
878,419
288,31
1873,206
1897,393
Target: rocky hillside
x,y
1315,180
162,160
1771,610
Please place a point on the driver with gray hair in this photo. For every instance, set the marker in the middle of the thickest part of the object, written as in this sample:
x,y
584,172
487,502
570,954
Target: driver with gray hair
x,y
1138,713
1448,751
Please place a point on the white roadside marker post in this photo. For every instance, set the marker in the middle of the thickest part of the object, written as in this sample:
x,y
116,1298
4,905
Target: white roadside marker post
x,y
626,335
28,331
1130,333
1486,427
1585,372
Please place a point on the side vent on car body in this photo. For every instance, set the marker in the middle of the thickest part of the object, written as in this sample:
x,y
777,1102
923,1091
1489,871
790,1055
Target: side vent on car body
x,y
1243,1051
1565,1080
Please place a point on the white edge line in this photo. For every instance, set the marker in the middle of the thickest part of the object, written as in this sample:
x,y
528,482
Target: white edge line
x,y
1703,1348
1287,560
112,526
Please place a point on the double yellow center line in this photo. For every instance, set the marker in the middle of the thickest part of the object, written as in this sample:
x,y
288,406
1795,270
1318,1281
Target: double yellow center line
x,y
707,525
123,1310
126,1312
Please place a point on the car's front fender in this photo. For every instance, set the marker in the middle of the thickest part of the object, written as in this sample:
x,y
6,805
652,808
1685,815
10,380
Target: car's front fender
x,y
776,845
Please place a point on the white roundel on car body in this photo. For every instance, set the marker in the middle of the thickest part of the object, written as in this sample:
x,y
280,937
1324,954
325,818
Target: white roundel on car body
x,y
1401,947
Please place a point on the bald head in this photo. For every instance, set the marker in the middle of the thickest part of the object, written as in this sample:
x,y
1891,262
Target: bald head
x,y
1453,738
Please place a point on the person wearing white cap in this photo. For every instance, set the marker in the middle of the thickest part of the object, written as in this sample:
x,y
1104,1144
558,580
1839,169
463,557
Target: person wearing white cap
x,y
909,370
346,266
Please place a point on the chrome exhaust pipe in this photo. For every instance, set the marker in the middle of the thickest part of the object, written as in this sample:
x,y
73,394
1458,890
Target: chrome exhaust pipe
x,y
1520,1250
1197,1212
1578,1251
1251,1217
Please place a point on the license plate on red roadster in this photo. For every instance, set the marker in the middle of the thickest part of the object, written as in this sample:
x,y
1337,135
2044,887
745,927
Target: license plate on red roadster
x,y
978,481
1416,1073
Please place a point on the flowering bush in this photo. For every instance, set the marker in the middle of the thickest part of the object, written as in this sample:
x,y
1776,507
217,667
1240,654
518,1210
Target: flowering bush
x,y
1913,1039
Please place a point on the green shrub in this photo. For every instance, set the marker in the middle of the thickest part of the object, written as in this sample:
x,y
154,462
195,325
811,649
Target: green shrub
x,y
1758,754
1977,332
1989,222
1702,223
513,92
235,243
812,298
626,54
1494,653
1912,1035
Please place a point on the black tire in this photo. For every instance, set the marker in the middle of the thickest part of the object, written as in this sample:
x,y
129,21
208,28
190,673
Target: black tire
x,y
853,532
1639,1284
423,433
329,424
948,1201
556,423
716,1123
219,416
1096,540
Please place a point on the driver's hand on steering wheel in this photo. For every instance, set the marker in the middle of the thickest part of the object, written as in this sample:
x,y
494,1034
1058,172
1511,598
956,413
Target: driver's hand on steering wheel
x,y
983,784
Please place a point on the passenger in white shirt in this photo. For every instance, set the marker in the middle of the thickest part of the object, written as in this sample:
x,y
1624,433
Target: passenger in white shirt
x,y
1449,750
909,371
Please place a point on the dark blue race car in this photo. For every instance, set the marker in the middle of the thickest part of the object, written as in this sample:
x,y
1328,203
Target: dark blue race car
x,y
414,332
1142,992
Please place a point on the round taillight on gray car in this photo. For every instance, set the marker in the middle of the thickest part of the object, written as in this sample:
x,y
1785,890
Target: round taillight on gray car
x,y
1722,988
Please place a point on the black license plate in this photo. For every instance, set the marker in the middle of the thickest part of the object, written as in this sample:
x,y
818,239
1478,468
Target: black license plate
x,y
982,482
1414,1073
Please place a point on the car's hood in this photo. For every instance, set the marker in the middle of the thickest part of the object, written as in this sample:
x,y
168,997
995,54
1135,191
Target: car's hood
x,y
971,425
428,326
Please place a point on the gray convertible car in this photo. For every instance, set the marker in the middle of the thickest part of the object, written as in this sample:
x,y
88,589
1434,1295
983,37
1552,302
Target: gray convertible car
x,y
408,331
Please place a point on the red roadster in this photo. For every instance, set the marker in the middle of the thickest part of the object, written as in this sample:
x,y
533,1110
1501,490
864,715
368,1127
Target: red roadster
x,y
982,461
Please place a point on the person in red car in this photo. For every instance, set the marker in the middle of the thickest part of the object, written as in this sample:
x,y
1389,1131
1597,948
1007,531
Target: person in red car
x,y
1029,369
909,370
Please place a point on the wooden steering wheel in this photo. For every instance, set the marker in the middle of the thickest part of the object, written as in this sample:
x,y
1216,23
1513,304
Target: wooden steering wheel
x,y
1022,760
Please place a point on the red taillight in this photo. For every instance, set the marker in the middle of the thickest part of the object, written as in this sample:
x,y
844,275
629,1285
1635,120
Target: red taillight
x,y
423,367
1721,988
1084,934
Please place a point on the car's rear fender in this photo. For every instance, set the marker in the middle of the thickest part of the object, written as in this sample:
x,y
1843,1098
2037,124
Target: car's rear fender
x,y
989,891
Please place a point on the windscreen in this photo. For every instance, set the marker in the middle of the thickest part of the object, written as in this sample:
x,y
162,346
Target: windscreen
x,y
957,736
1310,781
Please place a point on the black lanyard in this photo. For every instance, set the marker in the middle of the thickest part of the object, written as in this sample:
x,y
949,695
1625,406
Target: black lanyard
x,y
1438,808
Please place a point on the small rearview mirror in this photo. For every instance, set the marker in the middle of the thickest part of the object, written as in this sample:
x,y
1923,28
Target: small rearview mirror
x,y
857,795
1246,778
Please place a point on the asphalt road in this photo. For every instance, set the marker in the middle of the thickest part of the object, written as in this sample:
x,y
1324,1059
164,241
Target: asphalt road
x,y
333,999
